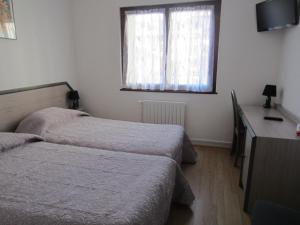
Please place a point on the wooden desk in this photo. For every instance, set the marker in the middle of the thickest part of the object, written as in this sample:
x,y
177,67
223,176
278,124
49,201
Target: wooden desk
x,y
271,163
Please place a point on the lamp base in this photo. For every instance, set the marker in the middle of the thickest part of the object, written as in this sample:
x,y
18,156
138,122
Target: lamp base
x,y
75,104
268,103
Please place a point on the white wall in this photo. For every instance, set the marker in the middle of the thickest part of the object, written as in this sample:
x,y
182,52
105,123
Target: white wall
x,y
44,49
247,61
50,32
289,79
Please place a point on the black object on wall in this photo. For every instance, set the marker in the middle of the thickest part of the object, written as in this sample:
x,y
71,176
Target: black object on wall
x,y
277,14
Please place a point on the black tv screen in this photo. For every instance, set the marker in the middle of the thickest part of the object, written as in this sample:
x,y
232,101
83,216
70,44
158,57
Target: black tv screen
x,y
277,14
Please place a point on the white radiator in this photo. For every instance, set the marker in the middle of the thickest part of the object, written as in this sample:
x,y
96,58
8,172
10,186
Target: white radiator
x,y
160,112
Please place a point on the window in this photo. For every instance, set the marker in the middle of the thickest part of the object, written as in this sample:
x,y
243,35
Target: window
x,y
171,47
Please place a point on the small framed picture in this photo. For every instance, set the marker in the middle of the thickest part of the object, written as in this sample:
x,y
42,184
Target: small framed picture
x,y
7,22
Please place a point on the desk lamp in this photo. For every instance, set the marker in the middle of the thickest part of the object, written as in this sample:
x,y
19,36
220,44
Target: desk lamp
x,y
269,91
74,97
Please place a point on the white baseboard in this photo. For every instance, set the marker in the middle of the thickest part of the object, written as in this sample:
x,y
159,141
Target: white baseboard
x,y
211,143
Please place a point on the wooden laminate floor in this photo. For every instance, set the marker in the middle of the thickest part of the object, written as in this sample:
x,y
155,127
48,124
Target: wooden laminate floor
x,y
219,199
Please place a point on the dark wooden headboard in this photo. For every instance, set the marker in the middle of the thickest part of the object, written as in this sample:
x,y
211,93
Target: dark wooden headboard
x,y
16,104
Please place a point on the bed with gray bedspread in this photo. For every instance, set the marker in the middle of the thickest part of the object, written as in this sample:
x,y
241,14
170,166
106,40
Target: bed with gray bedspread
x,y
77,128
51,184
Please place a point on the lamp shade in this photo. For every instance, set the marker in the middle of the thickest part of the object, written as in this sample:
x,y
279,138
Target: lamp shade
x,y
270,91
73,95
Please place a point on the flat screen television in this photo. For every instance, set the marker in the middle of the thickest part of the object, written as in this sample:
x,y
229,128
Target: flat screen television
x,y
277,14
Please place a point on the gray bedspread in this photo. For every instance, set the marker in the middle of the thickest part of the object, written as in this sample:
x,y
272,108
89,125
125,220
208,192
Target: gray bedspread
x,y
51,184
77,128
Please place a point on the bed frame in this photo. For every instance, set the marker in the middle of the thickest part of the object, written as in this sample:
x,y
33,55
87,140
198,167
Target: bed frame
x,y
16,104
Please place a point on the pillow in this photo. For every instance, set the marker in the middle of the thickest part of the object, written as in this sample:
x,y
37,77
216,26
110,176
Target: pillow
x,y
38,122
12,140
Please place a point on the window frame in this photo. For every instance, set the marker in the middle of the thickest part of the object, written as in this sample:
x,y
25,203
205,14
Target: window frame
x,y
217,6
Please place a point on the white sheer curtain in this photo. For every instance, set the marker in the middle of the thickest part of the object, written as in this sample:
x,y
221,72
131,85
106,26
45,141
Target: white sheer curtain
x,y
185,64
144,49
191,49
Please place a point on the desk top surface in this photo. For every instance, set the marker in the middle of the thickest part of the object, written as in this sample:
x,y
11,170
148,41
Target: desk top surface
x,y
267,128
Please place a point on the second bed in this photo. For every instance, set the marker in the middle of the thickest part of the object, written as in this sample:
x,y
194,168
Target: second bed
x,y
63,126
